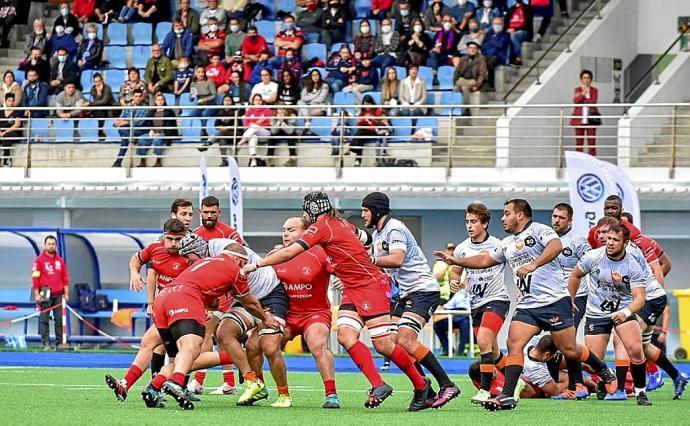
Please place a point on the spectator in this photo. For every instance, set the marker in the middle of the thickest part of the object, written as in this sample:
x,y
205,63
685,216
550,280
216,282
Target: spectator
x,y
288,89
292,65
444,46
366,78
237,63
227,126
235,8
37,38
371,125
85,11
314,93
462,13
442,272
61,40
178,43
486,14
212,41
333,23
133,82
433,17
128,13
162,128
67,21
390,90
364,41
252,48
416,49
189,17
69,101
288,38
470,72
148,10
520,24
585,117
8,14
266,88
63,70
412,93
215,71
10,132
203,92
159,72
404,16
459,301
341,67
212,12
544,8
10,85
101,96
106,10
131,125
475,34
233,39
496,49
50,284
386,46
257,121
35,95
183,77
37,62
380,9
239,90
309,19
283,131
91,50
261,64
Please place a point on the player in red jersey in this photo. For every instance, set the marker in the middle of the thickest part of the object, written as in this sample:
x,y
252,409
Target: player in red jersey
x,y
180,317
366,295
211,226
613,207
167,263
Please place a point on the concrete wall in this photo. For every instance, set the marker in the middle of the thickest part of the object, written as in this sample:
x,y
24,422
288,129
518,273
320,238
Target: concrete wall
x,y
659,22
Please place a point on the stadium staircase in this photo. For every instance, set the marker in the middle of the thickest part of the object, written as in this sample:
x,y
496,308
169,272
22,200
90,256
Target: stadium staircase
x,y
658,152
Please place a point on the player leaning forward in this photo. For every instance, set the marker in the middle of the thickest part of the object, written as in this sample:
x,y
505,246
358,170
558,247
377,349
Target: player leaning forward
x,y
366,296
397,251
532,251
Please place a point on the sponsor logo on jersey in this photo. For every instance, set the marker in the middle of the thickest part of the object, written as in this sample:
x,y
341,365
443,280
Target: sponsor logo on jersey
x,y
617,277
555,320
530,241
567,252
306,271
298,287
520,244
173,312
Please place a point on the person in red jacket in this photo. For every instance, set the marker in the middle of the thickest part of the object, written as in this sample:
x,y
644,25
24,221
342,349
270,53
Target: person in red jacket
x,y
613,206
211,226
50,283
584,116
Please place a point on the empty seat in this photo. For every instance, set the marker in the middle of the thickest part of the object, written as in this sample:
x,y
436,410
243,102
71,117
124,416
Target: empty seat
x,y
445,77
211,129
322,126
185,100
402,72
64,130
450,98
114,78
402,130
427,74
19,76
190,130
345,98
117,34
88,130
362,8
314,50
169,98
111,132
428,123
116,56
140,55
286,5
267,29
39,129
86,79
162,30
142,34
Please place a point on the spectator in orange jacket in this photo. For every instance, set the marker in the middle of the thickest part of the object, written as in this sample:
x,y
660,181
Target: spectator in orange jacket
x,y
50,284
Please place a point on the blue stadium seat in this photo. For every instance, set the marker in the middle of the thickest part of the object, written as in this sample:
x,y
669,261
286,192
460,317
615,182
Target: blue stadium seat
x,y
88,130
86,79
432,98
402,72
335,47
211,129
162,30
140,55
271,11
99,31
190,130
445,77
142,34
111,133
114,78
117,57
39,129
117,34
64,130
286,5
402,130
170,99
376,96
362,8
427,74
450,98
322,126
185,101
372,23
345,98
431,123
314,50
267,29
19,76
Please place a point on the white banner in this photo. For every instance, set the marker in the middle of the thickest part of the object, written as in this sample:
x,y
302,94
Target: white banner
x,y
625,190
236,208
203,181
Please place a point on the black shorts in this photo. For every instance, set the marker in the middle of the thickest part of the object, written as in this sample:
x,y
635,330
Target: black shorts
x,y
422,303
581,305
595,326
554,317
180,328
276,302
499,307
652,310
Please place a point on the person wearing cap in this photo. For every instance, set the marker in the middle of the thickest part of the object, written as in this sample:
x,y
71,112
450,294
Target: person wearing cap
x,y
366,78
442,271
470,72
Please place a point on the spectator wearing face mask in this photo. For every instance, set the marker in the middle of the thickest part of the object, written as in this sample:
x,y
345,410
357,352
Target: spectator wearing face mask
x,y
183,77
444,47
62,71
66,20
475,34
292,65
380,8
486,14
387,46
38,63
36,38
364,41
462,12
404,16
252,48
62,40
309,18
189,17
233,39
212,42
434,14
289,38
416,49
90,50
519,21
212,12
333,23
496,48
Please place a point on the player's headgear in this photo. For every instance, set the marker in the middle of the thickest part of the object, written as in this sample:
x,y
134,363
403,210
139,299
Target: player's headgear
x,y
378,204
316,203
193,243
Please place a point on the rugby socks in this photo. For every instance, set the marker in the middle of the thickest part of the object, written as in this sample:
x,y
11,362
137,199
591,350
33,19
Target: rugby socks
x,y
132,376
400,358
622,371
200,376
426,358
513,370
329,386
652,368
592,360
229,378
260,376
178,378
665,364
361,355
418,366
486,368
223,359
157,382
157,362
283,390
500,362
574,373
250,376
639,373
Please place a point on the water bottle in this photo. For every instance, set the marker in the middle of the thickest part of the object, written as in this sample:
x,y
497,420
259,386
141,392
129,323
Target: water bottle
x,y
115,305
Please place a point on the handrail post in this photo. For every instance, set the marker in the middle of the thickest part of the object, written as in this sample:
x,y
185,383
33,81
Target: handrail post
x,y
674,141
341,147
598,3
560,144
449,159
130,147
27,165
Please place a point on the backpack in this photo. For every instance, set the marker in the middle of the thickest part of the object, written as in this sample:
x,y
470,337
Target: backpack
x,y
87,298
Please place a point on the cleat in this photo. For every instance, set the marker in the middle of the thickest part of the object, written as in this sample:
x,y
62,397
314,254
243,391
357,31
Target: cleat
x,y
608,376
263,394
377,395
446,394
420,395
191,396
679,384
225,389
519,387
332,401
481,397
430,398
578,394
251,389
643,400
180,394
195,387
117,386
655,381
284,401
152,398
386,366
601,390
618,395
501,402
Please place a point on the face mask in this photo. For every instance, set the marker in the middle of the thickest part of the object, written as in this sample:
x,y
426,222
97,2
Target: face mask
x,y
474,30
447,26
386,29
289,58
39,32
252,37
364,30
62,58
497,28
487,3
213,28
59,30
64,11
178,32
462,2
182,67
404,12
289,26
417,28
92,36
234,28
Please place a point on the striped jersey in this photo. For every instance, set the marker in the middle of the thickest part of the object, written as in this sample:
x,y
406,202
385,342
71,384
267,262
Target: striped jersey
x,y
483,285
652,287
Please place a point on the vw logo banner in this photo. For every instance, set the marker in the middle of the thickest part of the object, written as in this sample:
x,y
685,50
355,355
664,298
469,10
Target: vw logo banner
x,y
236,208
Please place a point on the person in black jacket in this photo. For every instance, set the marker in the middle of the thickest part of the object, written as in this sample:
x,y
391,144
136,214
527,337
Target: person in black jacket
x,y
67,20
288,89
227,125
90,50
63,70
163,124
333,24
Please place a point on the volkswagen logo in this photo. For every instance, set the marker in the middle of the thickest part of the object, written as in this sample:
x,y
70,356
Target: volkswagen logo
x,y
235,191
590,188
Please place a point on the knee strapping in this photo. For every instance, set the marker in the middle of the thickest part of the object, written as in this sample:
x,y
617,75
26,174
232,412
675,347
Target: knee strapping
x,y
410,323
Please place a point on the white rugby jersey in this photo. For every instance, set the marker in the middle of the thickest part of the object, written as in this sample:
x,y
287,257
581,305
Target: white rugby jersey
x,y
535,372
414,275
652,287
574,247
262,281
483,285
544,286
611,282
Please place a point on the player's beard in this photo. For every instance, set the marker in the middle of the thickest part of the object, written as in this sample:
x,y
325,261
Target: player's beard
x,y
210,223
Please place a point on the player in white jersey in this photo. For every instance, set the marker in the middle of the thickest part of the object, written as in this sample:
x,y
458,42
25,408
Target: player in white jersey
x,y
396,250
532,251
616,293
489,301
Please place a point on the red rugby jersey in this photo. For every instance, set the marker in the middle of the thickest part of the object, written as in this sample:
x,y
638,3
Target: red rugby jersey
x,y
221,230
306,279
167,265
214,277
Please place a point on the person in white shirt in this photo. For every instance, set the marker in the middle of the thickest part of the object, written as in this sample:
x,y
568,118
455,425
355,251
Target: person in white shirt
x,y
412,93
267,88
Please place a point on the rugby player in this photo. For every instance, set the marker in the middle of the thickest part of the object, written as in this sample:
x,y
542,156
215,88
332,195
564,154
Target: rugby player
x,y
365,302
167,264
616,293
489,301
396,250
211,225
532,251
613,207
